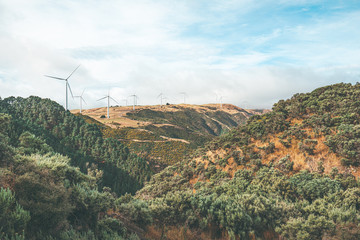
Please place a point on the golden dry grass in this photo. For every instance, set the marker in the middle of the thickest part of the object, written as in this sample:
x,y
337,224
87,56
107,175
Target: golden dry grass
x,y
118,114
180,233
302,160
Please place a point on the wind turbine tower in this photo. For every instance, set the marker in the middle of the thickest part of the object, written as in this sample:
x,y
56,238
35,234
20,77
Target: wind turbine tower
x,y
108,102
135,98
81,100
67,85
220,100
184,94
161,96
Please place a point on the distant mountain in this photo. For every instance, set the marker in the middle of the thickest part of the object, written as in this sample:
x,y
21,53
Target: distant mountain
x,y
165,134
288,174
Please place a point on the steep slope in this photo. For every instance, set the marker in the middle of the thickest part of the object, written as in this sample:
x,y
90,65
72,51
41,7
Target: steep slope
x,y
290,173
43,197
83,143
165,134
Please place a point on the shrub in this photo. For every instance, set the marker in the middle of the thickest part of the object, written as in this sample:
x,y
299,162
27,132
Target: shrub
x,y
13,218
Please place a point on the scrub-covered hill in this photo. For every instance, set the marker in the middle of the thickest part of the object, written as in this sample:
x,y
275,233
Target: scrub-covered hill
x,y
165,134
83,143
288,174
291,173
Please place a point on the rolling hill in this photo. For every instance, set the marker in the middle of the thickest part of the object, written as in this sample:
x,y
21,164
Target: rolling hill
x,y
165,134
291,173
288,174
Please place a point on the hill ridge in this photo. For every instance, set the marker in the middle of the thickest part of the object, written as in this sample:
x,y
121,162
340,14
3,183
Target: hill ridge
x,y
276,170
167,132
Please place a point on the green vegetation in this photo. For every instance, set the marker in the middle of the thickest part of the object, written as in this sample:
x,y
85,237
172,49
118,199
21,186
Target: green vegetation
x,y
188,124
256,202
266,197
150,146
43,197
192,126
272,178
13,218
44,125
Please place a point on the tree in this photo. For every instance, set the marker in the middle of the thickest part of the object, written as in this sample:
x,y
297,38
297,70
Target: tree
x,y
13,218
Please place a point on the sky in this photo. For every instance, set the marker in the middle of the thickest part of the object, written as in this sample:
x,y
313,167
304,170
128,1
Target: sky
x,y
250,53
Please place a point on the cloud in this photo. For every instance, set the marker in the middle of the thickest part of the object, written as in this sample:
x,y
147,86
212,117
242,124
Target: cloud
x,y
246,51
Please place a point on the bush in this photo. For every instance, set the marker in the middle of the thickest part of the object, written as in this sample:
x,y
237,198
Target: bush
x,y
13,218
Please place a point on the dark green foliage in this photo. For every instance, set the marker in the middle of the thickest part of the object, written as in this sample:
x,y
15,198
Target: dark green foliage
x,y
313,227
308,146
47,202
138,211
40,125
285,164
311,186
30,144
303,206
271,200
88,204
13,218
257,202
260,125
6,151
53,198
346,143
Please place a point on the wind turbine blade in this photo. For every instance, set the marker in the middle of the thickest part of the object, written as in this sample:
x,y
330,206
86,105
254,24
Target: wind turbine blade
x,y
83,100
72,72
101,98
55,78
159,95
83,92
70,89
114,100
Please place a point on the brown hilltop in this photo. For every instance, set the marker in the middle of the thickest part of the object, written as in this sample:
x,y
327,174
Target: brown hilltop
x,y
165,134
118,114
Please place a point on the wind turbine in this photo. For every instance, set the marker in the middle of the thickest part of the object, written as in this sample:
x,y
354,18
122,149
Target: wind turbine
x,y
126,101
220,98
67,85
108,102
161,96
135,98
185,95
81,99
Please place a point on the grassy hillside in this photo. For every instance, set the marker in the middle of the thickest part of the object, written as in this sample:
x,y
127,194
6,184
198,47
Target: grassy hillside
x,y
291,173
164,135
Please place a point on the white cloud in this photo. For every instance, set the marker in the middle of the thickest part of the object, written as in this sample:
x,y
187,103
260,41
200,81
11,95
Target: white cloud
x,y
147,47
